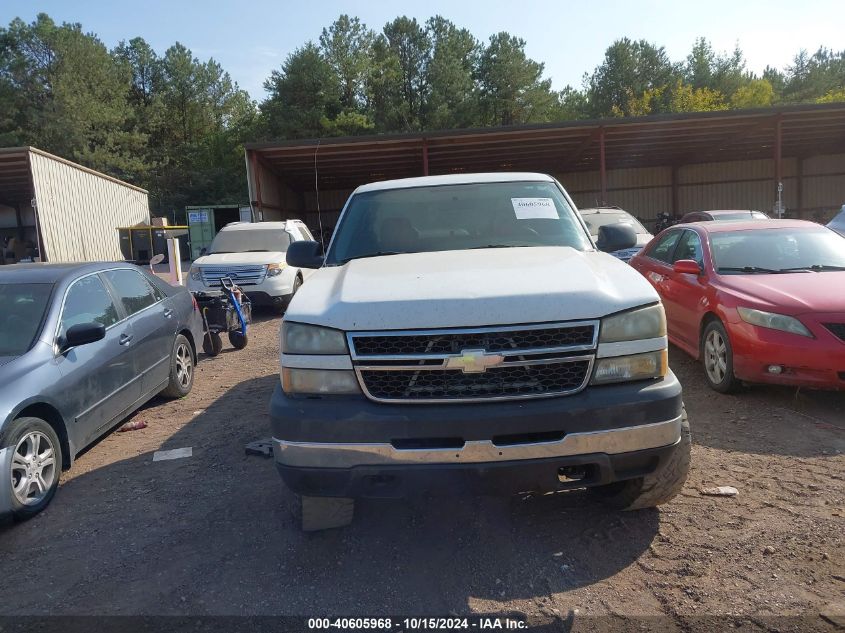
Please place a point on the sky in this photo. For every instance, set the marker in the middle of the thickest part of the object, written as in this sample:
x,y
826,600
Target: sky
x,y
250,38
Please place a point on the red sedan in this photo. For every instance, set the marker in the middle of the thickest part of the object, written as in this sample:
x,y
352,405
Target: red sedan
x,y
757,301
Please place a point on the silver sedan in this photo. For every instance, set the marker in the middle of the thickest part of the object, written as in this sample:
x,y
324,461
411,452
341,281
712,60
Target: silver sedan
x,y
81,347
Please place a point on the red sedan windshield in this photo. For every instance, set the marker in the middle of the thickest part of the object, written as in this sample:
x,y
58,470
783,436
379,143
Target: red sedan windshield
x,y
777,250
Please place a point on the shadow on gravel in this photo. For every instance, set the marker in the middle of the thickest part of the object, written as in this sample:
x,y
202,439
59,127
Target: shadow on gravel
x,y
213,534
761,419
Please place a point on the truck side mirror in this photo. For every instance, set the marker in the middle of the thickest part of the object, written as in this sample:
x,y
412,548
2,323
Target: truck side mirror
x,y
616,237
305,254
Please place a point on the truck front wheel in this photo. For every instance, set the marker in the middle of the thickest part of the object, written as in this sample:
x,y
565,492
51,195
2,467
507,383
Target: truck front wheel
x,y
323,513
655,489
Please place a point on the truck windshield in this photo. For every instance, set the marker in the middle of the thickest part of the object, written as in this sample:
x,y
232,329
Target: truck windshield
x,y
456,217
20,319
250,240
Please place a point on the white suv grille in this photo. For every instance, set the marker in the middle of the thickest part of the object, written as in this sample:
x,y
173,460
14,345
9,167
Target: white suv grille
x,y
241,275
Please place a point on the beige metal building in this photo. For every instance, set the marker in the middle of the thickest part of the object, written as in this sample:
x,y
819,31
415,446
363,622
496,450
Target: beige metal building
x,y
646,165
61,211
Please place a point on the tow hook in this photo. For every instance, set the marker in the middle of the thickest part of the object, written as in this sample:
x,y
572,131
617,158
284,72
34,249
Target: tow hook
x,y
569,474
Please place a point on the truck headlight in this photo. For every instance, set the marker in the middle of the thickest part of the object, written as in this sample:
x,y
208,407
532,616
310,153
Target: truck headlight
x,y
274,270
298,338
642,323
773,321
319,381
633,367
195,273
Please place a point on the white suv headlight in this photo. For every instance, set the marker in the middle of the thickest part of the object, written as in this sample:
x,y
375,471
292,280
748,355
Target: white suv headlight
x,y
648,322
195,273
773,321
298,338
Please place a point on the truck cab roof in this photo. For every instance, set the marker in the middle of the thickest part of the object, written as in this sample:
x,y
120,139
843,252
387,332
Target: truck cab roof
x,y
454,179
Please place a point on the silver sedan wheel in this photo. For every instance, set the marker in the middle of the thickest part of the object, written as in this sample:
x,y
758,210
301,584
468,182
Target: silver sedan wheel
x,y
715,357
33,468
184,365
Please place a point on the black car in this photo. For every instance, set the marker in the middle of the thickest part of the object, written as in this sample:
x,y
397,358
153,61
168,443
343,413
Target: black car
x,y
81,347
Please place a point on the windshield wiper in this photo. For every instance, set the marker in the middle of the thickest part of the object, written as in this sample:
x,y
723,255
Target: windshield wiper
x,y
747,269
257,250
475,248
814,267
368,255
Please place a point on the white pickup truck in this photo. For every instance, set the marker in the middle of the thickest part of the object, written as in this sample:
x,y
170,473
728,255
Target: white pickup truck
x,y
464,335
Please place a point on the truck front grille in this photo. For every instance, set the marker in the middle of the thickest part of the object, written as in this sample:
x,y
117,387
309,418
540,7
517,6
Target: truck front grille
x,y
500,382
241,275
492,341
469,365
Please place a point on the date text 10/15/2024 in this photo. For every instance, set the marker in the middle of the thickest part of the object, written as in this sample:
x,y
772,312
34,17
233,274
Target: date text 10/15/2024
x,y
478,623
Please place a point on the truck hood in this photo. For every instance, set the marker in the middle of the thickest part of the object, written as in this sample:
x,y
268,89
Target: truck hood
x,y
239,259
469,288
6,359
793,294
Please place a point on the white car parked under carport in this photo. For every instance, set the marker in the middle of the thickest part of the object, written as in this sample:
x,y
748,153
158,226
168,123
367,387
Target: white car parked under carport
x,y
253,256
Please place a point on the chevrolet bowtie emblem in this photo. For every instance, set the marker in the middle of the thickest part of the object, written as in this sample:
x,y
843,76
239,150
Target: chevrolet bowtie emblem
x,y
474,361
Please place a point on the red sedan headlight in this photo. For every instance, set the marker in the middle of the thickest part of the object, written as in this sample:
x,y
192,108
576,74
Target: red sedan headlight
x,y
774,321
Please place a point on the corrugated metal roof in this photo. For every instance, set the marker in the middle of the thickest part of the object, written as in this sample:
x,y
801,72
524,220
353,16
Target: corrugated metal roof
x,y
15,178
573,146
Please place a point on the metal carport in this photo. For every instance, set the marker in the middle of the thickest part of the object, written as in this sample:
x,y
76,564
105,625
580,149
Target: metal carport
x,y
674,163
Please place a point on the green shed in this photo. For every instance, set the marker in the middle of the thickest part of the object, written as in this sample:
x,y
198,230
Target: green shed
x,y
205,221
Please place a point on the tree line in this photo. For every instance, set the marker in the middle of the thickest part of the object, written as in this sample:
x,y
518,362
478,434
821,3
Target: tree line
x,y
176,125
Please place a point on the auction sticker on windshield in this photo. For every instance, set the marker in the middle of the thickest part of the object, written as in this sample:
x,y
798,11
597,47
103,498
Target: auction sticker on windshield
x,y
532,208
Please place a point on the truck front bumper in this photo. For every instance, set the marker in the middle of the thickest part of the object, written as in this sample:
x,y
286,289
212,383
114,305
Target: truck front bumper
x,y
351,447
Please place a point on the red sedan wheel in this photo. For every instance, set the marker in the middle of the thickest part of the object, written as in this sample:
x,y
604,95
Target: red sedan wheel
x,y
717,356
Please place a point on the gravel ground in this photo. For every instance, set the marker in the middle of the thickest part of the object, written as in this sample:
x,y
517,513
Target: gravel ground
x,y
212,534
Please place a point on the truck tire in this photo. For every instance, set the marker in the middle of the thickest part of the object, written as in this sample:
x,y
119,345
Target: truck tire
x,y
323,513
657,488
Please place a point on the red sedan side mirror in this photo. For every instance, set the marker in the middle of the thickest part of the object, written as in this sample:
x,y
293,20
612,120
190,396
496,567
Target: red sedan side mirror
x,y
686,267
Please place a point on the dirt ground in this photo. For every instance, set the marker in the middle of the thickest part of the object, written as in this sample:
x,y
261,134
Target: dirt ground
x,y
212,534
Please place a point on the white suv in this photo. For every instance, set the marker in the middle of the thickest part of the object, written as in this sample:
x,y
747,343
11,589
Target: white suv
x,y
253,255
